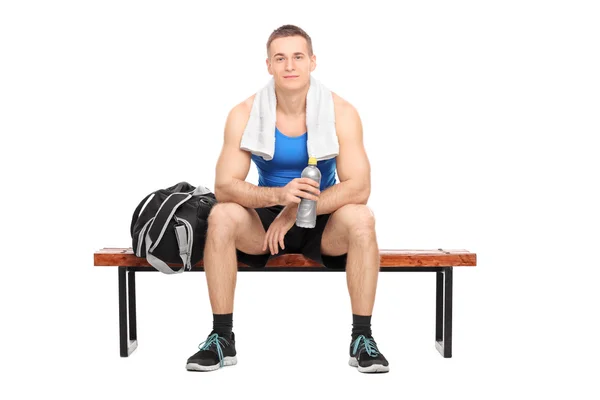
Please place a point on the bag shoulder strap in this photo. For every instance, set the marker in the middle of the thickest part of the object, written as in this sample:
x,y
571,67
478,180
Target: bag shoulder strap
x,y
157,230
164,214
137,211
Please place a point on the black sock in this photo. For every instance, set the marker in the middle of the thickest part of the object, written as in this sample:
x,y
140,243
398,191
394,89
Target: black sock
x,y
223,323
361,325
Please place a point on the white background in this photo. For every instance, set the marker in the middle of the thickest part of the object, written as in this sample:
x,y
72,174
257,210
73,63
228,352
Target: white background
x,y
480,120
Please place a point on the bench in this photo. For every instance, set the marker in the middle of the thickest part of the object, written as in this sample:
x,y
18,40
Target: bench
x,y
439,261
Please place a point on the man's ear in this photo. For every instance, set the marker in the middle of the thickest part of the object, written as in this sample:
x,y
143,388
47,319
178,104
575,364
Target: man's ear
x,y
269,66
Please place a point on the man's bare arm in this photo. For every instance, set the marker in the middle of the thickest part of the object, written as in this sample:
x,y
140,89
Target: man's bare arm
x,y
353,167
233,166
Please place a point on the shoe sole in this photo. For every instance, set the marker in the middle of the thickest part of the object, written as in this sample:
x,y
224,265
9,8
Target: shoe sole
x,y
227,361
353,362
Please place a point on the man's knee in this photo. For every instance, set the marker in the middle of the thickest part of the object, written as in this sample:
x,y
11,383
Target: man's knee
x,y
359,220
224,218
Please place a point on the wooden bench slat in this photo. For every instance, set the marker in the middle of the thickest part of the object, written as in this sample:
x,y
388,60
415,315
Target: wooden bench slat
x,y
124,257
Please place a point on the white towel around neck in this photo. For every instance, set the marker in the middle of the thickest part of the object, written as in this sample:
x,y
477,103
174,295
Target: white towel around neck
x,y
259,135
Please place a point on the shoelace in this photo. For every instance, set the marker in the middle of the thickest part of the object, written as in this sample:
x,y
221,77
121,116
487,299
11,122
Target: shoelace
x,y
365,343
214,340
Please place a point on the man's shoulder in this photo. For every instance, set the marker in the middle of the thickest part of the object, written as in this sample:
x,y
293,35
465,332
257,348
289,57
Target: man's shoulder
x,y
241,111
347,120
247,103
244,107
237,119
343,108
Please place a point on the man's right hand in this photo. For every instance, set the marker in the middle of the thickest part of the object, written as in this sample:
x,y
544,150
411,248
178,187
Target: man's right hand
x,y
299,188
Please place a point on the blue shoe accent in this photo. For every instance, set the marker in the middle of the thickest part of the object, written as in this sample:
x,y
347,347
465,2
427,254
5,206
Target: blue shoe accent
x,y
365,355
367,343
214,340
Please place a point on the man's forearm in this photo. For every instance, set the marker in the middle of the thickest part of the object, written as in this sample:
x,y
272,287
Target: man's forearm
x,y
341,194
247,194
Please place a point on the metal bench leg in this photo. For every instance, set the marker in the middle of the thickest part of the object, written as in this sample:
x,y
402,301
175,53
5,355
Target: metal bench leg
x,y
443,312
128,341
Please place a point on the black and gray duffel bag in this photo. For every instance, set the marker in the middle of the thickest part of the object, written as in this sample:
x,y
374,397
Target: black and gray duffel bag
x,y
169,226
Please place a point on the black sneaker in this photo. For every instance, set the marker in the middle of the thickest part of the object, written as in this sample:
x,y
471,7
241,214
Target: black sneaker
x,y
215,352
365,355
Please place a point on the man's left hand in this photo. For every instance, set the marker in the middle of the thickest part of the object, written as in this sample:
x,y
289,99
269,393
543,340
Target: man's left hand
x,y
280,226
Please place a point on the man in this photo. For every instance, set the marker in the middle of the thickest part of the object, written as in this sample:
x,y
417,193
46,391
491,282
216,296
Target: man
x,y
254,223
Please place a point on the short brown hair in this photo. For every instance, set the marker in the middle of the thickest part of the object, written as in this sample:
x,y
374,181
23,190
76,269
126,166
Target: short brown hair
x,y
290,30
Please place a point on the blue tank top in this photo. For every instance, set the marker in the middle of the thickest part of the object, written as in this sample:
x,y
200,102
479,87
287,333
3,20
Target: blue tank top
x,y
290,158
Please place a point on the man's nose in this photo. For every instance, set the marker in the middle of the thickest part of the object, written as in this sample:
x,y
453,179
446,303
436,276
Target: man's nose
x,y
289,65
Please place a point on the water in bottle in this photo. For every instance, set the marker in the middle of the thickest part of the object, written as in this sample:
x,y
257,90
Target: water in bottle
x,y
307,210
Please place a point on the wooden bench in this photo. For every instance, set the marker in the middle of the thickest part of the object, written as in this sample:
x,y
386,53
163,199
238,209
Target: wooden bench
x,y
439,261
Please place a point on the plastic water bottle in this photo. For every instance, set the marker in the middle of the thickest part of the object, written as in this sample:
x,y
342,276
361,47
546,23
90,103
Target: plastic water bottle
x,y
307,210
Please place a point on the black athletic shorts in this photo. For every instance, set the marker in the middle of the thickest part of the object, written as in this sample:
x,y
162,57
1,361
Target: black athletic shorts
x,y
305,241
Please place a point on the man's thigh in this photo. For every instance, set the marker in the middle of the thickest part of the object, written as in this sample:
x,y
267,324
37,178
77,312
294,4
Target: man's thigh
x,y
336,237
251,234
334,241
249,230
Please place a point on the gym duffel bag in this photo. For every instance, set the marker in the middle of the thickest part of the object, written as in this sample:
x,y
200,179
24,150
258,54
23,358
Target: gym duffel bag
x,y
169,226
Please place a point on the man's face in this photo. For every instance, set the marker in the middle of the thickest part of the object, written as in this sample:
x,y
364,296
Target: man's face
x,y
290,63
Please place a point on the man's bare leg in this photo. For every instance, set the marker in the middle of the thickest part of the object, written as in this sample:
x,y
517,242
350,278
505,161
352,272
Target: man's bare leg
x,y
230,226
351,230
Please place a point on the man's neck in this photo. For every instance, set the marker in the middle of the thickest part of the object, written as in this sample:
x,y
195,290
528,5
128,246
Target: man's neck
x,y
291,103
